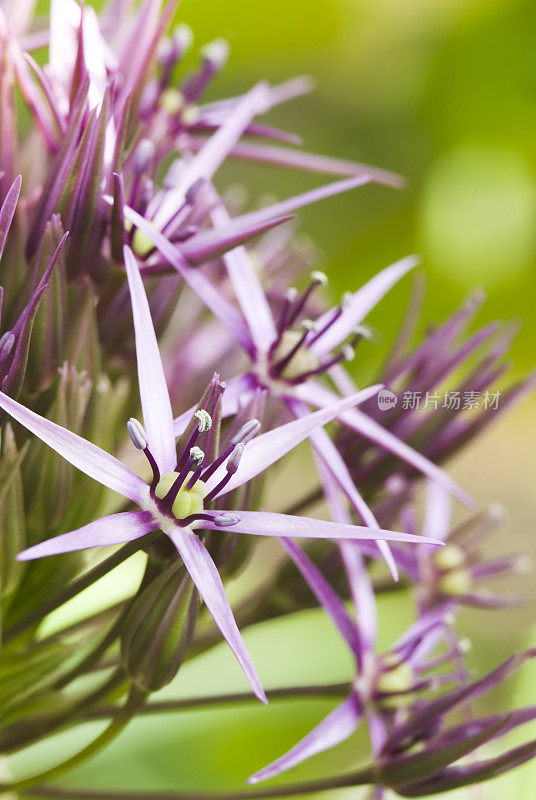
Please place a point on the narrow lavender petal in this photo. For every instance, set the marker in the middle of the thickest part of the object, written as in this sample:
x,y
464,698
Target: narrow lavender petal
x,y
110,530
7,212
362,595
80,453
310,162
301,200
197,281
438,512
265,523
359,305
248,289
212,243
207,161
318,396
268,448
206,577
333,729
334,462
325,594
157,414
357,575
280,93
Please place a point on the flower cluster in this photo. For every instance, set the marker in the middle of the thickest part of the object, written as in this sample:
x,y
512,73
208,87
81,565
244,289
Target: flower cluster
x,y
132,289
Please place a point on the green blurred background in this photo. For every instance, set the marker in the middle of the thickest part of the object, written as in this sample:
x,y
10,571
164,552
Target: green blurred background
x,y
443,92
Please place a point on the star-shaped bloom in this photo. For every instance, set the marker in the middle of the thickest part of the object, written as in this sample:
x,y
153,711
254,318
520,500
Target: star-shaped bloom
x,y
386,693
384,683
178,499
287,359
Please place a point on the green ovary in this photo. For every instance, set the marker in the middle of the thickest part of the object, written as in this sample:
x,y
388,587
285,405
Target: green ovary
x,y
188,501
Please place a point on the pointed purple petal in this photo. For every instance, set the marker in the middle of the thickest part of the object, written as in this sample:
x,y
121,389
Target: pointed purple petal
x,y
358,578
206,577
266,523
325,594
311,162
157,414
318,396
438,512
80,453
265,450
333,729
109,530
333,461
359,305
248,290
212,243
301,200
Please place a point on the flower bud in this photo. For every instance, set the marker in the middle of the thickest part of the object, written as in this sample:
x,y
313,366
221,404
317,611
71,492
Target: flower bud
x,y
158,628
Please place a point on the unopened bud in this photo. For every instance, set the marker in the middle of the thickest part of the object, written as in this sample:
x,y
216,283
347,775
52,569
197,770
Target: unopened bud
x,y
137,434
158,629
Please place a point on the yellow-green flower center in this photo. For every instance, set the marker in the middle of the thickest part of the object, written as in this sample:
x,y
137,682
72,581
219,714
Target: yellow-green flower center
x,y
396,680
188,501
455,583
449,557
304,360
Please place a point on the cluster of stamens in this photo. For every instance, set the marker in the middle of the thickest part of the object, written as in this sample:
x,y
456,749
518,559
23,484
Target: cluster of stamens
x,y
182,494
291,356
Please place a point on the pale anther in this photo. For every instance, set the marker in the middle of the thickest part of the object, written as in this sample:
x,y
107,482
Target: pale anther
x,y
137,434
247,432
226,520
204,420
319,277
234,459
197,455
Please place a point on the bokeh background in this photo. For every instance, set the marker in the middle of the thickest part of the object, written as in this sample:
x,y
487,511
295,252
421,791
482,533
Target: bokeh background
x,y
443,92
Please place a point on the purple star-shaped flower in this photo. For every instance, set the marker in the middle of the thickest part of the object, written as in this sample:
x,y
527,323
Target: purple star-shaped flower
x,y
175,501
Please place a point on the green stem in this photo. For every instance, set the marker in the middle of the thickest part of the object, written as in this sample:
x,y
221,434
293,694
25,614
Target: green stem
x,y
21,734
363,777
135,700
94,656
38,614
165,706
